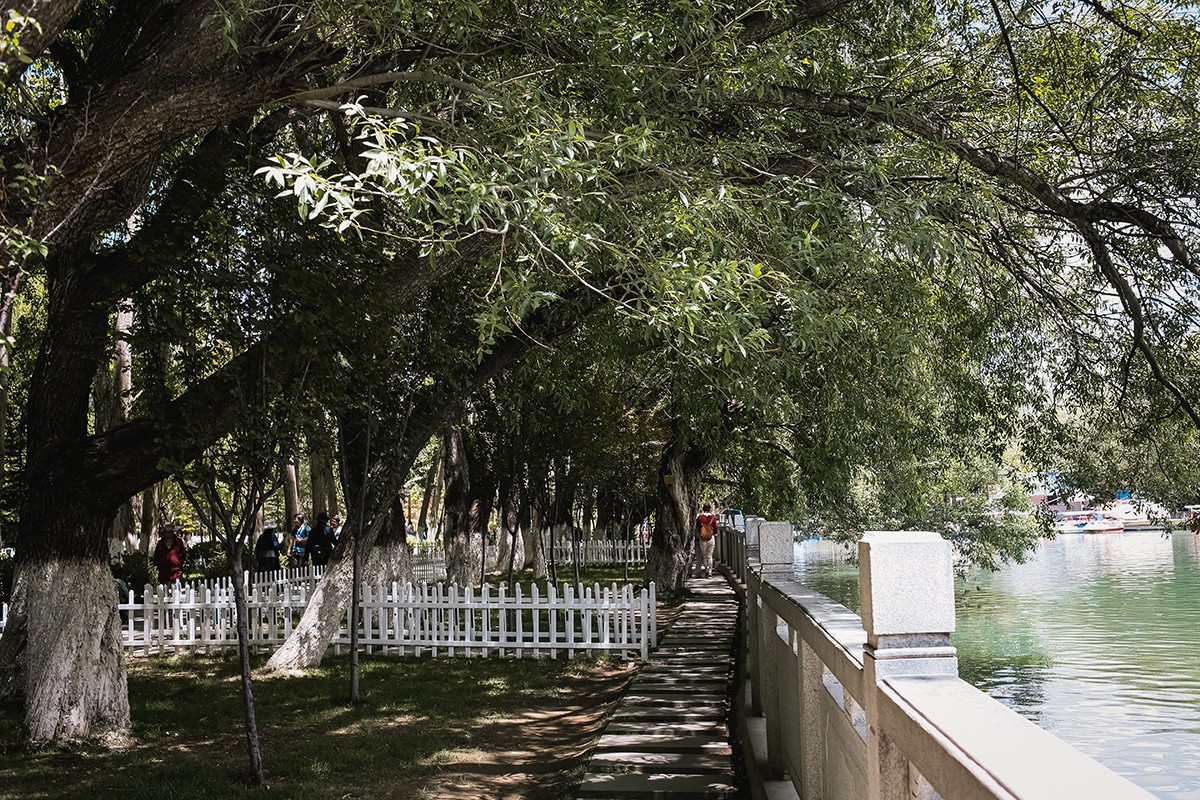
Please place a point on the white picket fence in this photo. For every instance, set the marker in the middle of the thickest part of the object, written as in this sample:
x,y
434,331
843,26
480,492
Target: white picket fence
x,y
404,619
603,552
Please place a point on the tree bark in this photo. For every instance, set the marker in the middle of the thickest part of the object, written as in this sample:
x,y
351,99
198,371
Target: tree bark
x,y
432,478
74,680
291,492
149,521
673,546
318,475
253,747
463,555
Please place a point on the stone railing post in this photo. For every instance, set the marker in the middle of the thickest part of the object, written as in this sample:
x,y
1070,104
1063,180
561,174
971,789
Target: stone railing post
x,y
907,583
753,604
752,524
776,555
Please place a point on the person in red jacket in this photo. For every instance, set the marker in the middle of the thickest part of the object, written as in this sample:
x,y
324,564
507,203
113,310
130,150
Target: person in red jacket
x,y
169,554
706,532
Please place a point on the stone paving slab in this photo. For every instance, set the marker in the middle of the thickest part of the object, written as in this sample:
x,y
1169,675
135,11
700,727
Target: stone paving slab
x,y
693,661
695,686
669,714
664,743
714,701
660,762
635,786
688,711
709,728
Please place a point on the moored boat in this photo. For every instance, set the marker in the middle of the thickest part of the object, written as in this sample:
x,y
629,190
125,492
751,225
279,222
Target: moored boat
x,y
1088,521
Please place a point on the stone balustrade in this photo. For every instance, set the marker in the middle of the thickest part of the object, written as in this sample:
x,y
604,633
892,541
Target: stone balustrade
x,y
841,708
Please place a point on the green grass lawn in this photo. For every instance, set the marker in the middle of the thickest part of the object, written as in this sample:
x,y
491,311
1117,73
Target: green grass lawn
x,y
427,729
605,576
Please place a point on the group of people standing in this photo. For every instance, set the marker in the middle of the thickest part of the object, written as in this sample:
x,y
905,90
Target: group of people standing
x,y
304,543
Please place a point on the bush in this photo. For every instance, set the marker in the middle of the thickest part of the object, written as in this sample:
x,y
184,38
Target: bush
x,y
138,570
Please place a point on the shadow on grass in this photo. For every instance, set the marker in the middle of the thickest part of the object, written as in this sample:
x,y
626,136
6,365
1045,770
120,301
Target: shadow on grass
x,y
428,728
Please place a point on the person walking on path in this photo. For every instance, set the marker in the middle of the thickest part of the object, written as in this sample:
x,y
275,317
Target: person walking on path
x,y
266,549
706,532
169,554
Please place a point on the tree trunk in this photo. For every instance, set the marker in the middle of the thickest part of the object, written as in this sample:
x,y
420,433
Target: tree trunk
x,y
585,513
535,544
673,546
427,493
5,375
149,526
385,559
326,609
461,547
318,475
71,667
291,493
254,750
74,681
332,504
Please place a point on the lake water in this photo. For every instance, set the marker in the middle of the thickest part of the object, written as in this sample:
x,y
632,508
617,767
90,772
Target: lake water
x,y
1096,638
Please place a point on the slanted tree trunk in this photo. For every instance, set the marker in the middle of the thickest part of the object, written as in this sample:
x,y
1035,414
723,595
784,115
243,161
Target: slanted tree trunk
x,y
309,640
673,546
385,559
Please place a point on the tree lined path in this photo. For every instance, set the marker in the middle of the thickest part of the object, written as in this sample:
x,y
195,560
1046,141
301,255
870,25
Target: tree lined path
x,y
669,737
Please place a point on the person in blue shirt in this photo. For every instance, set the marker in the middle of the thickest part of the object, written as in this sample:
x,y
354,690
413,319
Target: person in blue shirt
x,y
299,551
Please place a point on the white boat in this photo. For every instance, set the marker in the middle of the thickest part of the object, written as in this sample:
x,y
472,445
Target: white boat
x,y
1089,521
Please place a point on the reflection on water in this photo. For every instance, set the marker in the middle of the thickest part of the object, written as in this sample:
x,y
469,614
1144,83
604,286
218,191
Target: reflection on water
x,y
1095,639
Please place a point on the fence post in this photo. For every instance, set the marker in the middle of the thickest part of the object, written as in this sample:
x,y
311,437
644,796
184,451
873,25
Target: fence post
x,y
907,583
753,605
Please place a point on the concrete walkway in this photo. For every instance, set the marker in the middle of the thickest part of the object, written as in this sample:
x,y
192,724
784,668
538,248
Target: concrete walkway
x,y
669,737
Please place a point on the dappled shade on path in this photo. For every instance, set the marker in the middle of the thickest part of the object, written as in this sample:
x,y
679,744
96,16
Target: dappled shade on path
x,y
669,737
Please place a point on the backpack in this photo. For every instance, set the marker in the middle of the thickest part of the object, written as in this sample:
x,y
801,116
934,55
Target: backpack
x,y
708,527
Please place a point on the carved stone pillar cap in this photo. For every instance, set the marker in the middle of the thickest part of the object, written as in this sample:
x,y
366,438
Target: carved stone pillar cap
x,y
907,584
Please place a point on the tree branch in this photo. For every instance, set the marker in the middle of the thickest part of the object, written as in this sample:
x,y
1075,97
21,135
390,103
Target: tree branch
x,y
367,81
